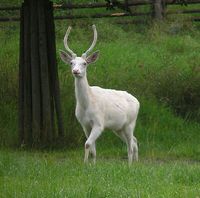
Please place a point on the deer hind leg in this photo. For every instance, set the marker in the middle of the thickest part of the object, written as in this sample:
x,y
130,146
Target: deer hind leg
x,y
131,143
135,149
135,145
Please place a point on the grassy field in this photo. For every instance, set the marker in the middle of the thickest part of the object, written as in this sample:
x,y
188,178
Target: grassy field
x,y
159,64
62,174
160,67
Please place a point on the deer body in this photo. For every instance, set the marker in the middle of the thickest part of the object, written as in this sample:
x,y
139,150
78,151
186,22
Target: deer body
x,y
98,109
116,108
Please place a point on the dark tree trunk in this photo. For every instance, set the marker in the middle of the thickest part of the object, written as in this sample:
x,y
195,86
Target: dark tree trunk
x,y
27,77
35,69
21,78
53,66
39,95
44,74
158,9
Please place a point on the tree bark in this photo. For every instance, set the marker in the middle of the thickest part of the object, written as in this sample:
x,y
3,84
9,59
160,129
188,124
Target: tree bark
x,y
158,9
27,77
39,93
45,81
53,67
35,69
21,78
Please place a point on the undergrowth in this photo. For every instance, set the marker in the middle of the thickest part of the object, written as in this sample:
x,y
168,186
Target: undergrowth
x,y
157,65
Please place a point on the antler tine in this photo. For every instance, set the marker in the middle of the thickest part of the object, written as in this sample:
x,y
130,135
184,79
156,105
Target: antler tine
x,y
93,43
65,42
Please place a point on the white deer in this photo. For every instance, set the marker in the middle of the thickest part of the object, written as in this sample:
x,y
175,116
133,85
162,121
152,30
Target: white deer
x,y
97,108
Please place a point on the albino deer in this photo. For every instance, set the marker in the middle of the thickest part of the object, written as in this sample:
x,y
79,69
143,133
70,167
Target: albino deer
x,y
97,108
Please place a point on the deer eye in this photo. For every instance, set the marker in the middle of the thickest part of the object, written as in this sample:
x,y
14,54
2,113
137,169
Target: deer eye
x,y
84,64
71,63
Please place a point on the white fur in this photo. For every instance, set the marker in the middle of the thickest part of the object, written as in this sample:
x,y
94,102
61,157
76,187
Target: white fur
x,y
98,109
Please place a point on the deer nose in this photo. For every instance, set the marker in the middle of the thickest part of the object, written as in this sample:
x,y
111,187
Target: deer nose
x,y
75,71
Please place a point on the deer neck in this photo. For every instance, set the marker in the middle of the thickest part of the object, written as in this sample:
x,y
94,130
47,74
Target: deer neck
x,y
82,91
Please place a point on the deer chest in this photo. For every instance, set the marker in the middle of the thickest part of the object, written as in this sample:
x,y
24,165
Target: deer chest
x,y
84,116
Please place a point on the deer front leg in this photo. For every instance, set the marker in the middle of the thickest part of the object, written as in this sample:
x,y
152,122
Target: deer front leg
x,y
90,143
93,152
93,147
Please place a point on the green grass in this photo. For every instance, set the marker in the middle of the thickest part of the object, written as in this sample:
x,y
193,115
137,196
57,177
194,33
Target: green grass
x,y
157,68
156,65
159,64
63,174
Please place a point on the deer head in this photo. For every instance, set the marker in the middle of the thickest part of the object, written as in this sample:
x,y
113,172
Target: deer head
x,y
79,64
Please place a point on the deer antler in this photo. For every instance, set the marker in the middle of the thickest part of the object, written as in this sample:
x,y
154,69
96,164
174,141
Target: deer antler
x,y
65,42
84,55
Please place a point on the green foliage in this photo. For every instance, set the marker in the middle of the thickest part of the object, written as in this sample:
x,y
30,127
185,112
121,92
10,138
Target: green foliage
x,y
147,65
157,65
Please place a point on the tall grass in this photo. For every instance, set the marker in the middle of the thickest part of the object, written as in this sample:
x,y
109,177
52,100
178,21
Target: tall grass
x,y
157,65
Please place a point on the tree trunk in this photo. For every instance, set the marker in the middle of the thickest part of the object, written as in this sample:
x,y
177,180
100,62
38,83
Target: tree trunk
x,y
38,76
35,80
158,9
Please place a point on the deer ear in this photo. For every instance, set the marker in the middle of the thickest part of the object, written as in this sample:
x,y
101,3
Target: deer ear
x,y
65,57
92,58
